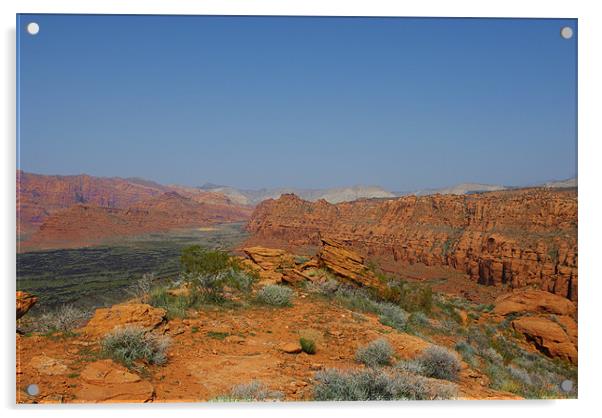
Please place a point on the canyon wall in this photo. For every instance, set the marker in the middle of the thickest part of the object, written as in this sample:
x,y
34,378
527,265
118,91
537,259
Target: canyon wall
x,y
515,238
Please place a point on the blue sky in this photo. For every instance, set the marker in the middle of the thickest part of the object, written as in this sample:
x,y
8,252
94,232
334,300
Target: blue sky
x,y
404,103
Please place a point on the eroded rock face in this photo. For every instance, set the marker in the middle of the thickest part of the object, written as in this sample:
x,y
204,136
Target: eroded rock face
x,y
141,315
25,301
106,381
516,238
275,265
533,301
547,336
346,264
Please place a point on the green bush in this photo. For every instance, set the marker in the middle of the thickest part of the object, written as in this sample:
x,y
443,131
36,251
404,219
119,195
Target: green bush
x,y
275,295
129,344
439,362
371,385
250,392
204,261
208,272
376,353
175,306
409,296
307,345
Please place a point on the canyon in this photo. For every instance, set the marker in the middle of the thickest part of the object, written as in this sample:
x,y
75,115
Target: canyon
x,y
513,239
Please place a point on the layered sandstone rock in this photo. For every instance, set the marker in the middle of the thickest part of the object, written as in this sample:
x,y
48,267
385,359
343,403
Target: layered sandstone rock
x,y
275,265
141,315
25,301
346,264
106,381
514,238
547,336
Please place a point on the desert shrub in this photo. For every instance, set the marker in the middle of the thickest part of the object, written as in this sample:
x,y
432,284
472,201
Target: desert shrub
x,y
418,319
506,348
468,353
409,366
370,385
355,299
130,344
307,345
207,272
64,319
242,280
275,295
409,296
250,392
204,261
392,315
143,286
491,355
476,338
174,305
520,374
439,362
376,353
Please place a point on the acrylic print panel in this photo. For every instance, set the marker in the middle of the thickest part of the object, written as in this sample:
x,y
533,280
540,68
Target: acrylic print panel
x,y
216,208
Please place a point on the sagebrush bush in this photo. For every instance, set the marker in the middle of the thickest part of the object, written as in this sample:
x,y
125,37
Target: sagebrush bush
x,y
370,385
64,319
439,362
143,286
130,344
275,295
307,345
374,354
251,392
392,316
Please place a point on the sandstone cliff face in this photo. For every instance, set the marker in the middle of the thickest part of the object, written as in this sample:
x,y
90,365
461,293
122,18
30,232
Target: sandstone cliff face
x,y
515,238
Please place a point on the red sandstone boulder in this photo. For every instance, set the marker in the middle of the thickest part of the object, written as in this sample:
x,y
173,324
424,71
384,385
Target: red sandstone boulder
x,y
533,301
24,303
106,320
547,336
346,264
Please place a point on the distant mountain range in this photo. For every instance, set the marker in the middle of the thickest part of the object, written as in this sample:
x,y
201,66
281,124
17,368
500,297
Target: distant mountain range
x,y
335,195
347,194
471,188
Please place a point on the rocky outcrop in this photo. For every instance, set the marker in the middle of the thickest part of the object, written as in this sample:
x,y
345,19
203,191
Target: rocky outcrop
x,y
48,365
346,264
141,315
534,302
515,238
25,302
276,266
547,336
105,381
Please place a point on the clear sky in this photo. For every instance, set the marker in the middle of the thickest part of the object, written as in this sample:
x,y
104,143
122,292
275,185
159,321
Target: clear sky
x,y
404,103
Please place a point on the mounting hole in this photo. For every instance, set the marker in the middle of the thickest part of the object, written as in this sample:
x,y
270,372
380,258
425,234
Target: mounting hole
x,y
33,28
566,385
566,32
32,390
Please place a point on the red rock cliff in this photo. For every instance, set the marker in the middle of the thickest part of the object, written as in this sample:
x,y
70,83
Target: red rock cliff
x,y
517,238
